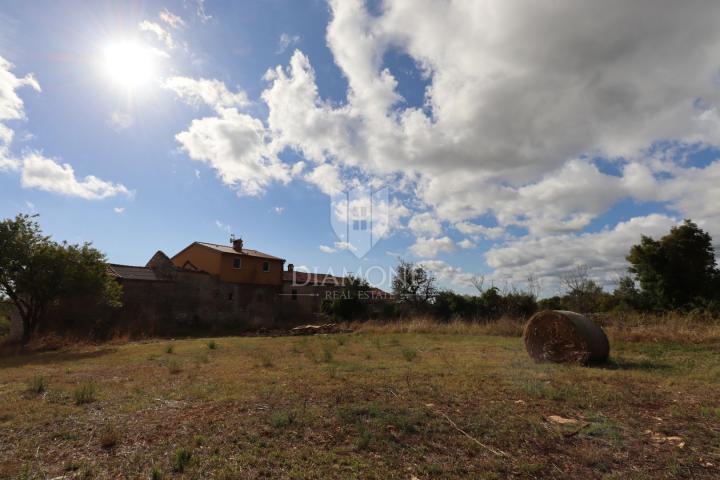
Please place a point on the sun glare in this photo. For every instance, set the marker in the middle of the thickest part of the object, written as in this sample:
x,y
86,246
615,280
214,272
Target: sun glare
x,y
129,64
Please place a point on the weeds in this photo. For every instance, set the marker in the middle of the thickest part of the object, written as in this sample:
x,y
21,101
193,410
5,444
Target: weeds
x,y
109,437
327,352
37,385
265,358
170,349
174,367
180,460
282,419
409,354
156,473
363,441
212,345
84,393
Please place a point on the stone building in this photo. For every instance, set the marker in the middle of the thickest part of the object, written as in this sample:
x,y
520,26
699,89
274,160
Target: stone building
x,y
205,288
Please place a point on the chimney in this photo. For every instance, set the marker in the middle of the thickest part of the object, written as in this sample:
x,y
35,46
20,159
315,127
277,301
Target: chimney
x,y
237,244
291,267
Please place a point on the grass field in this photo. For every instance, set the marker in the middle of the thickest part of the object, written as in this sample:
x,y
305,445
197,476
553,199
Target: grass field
x,y
362,405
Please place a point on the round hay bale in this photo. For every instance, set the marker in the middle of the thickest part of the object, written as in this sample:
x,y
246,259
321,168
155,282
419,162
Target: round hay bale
x,y
565,337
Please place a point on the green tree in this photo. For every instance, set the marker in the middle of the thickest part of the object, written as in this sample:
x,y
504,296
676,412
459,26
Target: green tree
x,y
412,283
36,273
677,270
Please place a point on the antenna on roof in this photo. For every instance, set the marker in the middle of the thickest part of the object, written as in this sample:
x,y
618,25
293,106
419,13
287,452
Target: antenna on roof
x,y
232,238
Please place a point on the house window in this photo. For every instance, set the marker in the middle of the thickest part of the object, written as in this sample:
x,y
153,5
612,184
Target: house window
x,y
230,295
266,266
237,263
294,295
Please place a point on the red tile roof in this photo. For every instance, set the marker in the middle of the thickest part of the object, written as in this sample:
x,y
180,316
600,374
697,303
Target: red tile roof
x,y
129,272
245,251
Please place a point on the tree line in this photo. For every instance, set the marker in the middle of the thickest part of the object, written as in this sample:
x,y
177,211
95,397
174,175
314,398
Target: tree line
x,y
676,272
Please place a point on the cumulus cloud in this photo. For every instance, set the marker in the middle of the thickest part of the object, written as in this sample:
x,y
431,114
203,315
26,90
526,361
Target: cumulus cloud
x,y
338,246
548,258
45,174
38,171
11,108
212,93
513,117
466,244
449,274
235,145
429,247
11,105
479,231
515,129
425,224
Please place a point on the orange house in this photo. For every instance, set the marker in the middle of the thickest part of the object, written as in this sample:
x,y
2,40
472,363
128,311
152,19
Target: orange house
x,y
233,264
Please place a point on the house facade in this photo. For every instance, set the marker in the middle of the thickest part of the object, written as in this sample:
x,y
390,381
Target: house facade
x,y
232,264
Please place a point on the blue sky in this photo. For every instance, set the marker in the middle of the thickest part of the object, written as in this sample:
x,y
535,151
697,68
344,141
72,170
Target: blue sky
x,y
512,143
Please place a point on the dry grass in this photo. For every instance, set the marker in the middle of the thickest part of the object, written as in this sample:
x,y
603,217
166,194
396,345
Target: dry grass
x,y
635,327
370,405
506,327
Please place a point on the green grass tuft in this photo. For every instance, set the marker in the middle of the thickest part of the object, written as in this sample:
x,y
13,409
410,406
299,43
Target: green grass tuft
x,y
85,393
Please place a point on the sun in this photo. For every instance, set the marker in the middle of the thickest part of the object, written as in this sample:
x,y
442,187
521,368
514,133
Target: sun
x,y
130,64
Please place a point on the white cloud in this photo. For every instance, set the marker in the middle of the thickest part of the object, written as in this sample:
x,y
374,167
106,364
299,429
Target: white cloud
x,y
511,145
7,161
345,246
279,210
326,249
430,247
510,130
466,244
171,19
338,246
286,41
159,32
121,121
235,145
11,108
480,231
45,174
213,93
119,210
224,227
550,257
327,178
449,274
425,224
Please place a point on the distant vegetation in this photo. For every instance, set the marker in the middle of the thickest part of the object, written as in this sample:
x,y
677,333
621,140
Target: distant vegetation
x,y
675,273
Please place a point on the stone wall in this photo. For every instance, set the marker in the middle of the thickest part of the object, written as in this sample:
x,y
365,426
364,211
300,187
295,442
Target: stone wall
x,y
185,303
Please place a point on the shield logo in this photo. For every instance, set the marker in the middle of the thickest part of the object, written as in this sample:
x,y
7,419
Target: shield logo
x,y
360,218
